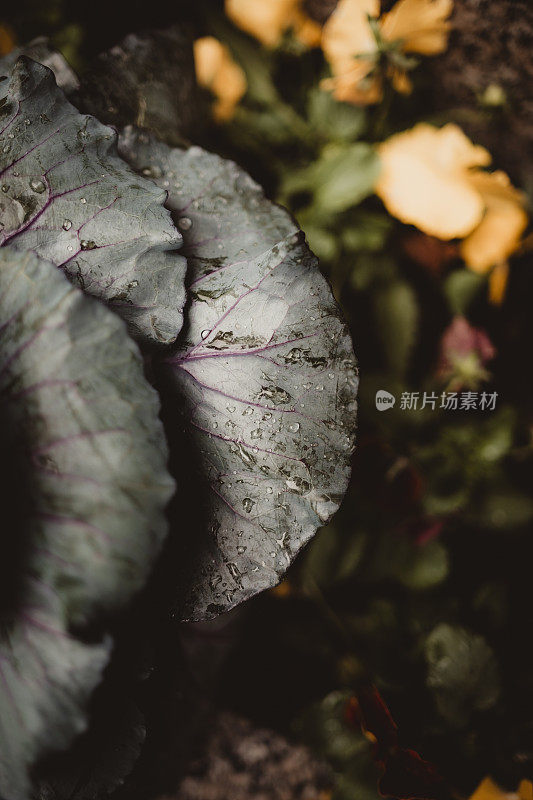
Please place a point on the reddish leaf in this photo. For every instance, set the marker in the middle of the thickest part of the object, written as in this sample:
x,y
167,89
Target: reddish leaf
x,y
406,775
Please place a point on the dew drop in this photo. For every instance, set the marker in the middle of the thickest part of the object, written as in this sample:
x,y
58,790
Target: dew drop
x,y
67,225
83,201
205,334
248,504
87,244
185,223
269,490
295,426
37,186
231,409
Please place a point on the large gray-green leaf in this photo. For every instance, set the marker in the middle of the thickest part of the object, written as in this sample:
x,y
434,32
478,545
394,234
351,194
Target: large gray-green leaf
x,y
73,391
148,79
265,368
39,50
46,679
66,195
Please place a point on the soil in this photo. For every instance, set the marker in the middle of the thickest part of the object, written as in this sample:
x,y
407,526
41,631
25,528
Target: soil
x,y
242,762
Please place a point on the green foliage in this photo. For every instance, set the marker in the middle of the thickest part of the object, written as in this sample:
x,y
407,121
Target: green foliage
x,y
412,578
396,314
462,673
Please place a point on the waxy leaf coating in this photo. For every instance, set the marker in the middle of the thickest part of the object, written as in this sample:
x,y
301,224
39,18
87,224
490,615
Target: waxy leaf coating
x,y
46,680
66,195
264,367
73,390
39,50
85,422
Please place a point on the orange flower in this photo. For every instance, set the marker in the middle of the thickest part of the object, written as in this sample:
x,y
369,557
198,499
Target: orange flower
x,y
488,790
7,40
356,42
268,20
217,71
431,178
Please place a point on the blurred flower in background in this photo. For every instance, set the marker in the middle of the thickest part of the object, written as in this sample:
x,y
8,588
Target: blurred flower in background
x,y
489,790
464,352
217,71
7,40
432,178
268,21
363,48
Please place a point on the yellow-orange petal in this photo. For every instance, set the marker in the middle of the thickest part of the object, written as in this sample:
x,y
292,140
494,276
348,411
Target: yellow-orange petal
x,y
421,25
425,180
306,30
7,40
401,81
217,71
267,20
525,790
488,790
346,39
504,221
358,86
498,279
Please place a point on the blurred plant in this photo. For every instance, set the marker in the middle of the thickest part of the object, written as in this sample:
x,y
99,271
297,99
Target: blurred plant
x,y
364,49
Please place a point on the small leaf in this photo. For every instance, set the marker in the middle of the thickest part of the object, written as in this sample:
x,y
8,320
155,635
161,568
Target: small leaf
x,y
335,120
462,673
503,508
396,311
339,179
416,566
67,196
332,557
265,368
461,287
